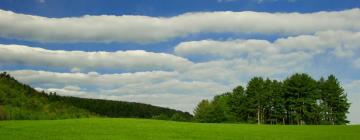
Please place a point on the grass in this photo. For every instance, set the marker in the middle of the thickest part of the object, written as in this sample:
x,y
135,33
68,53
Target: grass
x,y
142,129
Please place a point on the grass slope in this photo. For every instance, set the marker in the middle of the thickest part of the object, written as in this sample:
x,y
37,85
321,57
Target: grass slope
x,y
141,129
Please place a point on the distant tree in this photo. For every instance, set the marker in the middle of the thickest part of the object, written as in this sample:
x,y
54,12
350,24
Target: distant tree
x,y
160,117
298,99
275,104
202,111
238,104
209,112
256,98
301,95
334,101
20,101
223,103
177,117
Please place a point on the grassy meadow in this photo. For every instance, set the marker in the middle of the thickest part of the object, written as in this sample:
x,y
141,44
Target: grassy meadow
x,y
144,129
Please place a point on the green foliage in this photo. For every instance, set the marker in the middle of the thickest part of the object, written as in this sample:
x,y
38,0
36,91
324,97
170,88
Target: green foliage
x,y
238,104
19,101
299,99
209,112
2,113
301,93
116,109
179,117
333,101
160,117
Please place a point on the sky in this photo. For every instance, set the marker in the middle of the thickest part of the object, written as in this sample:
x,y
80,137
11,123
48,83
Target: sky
x,y
176,53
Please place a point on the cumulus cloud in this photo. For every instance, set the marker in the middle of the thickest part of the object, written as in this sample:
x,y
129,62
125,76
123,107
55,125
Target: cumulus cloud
x,y
342,44
145,29
91,79
227,49
77,60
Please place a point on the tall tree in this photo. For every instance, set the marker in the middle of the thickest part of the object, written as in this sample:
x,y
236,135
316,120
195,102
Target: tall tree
x,y
223,103
238,104
299,99
256,98
276,103
334,100
301,95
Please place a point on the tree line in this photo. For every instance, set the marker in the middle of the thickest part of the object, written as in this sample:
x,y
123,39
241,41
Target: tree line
x,y
299,99
116,109
19,101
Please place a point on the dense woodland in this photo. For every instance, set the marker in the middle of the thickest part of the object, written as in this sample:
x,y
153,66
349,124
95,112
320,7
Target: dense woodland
x,y
20,101
299,99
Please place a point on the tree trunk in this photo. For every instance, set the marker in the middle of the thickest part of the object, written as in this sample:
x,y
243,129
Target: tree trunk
x,y
258,115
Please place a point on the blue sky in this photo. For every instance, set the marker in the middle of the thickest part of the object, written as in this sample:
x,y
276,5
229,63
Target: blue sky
x,y
175,53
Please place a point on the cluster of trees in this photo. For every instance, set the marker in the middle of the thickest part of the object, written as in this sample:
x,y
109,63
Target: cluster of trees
x,y
20,101
298,99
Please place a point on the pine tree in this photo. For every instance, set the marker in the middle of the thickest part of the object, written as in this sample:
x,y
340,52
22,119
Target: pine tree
x,y
335,101
238,104
276,103
301,95
256,98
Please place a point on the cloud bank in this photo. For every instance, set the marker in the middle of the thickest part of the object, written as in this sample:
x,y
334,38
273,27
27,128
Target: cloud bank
x,y
145,29
134,60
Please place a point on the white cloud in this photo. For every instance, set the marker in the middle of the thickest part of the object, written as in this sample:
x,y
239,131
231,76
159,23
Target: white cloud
x,y
227,49
143,29
340,43
77,60
91,79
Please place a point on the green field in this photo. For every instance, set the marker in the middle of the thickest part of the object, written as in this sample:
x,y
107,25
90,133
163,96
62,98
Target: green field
x,y
142,129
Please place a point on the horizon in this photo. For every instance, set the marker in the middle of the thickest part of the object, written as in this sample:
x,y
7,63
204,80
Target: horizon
x,y
174,54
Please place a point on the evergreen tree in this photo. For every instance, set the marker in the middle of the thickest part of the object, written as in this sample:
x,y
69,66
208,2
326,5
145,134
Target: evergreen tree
x,y
238,104
297,100
301,95
223,103
334,99
276,103
256,98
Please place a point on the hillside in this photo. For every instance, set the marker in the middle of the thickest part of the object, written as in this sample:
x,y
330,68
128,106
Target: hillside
x,y
140,129
19,101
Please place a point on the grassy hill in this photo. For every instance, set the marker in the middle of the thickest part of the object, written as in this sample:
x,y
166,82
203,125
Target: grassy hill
x,y
19,102
142,129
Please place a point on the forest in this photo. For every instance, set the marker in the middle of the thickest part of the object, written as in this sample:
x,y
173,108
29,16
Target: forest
x,y
299,99
19,102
